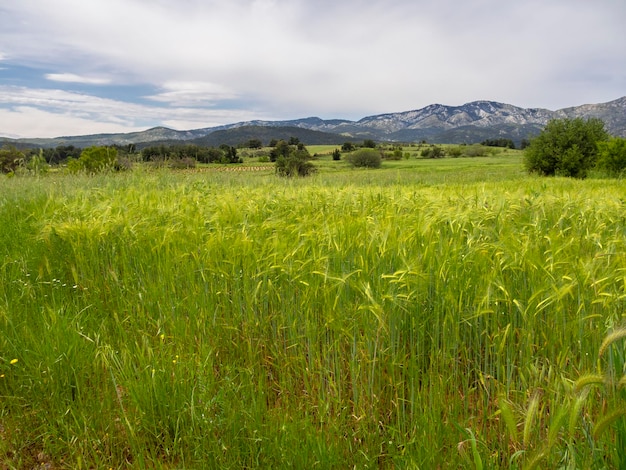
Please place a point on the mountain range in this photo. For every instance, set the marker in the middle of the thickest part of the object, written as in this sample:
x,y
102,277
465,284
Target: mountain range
x,y
470,123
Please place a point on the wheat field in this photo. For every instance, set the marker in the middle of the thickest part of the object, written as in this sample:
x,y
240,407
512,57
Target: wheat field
x,y
357,319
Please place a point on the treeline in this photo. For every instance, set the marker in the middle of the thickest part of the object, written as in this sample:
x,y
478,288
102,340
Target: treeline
x,y
504,143
160,153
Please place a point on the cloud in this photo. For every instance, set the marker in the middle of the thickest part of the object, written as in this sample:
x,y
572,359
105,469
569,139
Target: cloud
x,y
73,78
42,123
44,112
192,93
294,58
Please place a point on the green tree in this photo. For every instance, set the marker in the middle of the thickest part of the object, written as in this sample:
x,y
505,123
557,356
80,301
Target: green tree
x,y
254,144
369,143
566,147
230,154
281,149
499,142
612,156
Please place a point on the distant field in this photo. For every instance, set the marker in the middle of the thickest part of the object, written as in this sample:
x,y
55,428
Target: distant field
x,y
445,313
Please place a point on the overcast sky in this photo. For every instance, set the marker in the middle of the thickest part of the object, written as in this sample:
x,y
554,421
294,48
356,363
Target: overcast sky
x,y
72,67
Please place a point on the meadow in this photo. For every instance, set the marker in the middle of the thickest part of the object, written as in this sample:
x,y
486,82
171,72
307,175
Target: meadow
x,y
451,313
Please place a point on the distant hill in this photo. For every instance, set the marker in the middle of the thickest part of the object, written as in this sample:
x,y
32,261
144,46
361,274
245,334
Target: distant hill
x,y
265,134
436,123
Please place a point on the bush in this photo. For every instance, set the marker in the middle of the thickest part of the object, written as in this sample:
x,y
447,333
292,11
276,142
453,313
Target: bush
x,y
566,147
612,157
10,159
94,160
37,164
434,151
292,159
455,152
395,155
475,150
296,165
366,158
182,163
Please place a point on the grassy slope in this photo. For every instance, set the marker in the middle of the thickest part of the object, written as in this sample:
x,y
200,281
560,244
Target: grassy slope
x,y
366,318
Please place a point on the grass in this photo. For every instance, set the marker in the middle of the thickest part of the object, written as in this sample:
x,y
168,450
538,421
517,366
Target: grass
x,y
430,314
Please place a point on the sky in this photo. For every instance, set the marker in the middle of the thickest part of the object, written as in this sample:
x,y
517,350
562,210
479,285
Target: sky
x,y
76,67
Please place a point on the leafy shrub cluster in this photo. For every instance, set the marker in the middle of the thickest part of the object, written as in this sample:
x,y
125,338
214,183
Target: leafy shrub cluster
x,y
434,151
365,158
93,160
292,159
612,157
10,159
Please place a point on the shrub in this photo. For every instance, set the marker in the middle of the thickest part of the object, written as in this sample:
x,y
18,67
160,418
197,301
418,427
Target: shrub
x,y
566,147
434,151
455,152
10,159
182,163
612,157
395,155
37,164
295,165
367,158
475,150
94,160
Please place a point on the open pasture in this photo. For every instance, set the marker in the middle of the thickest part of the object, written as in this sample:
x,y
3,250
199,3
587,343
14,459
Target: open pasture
x,y
431,314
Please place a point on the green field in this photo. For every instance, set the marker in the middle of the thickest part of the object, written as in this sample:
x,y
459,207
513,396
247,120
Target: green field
x,y
430,314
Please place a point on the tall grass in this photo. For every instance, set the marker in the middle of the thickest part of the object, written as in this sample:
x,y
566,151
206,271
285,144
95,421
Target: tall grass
x,y
168,321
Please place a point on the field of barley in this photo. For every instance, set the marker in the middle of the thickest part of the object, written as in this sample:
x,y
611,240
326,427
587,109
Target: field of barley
x,y
430,314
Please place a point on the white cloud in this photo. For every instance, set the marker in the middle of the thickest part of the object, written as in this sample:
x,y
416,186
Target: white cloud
x,y
192,93
295,58
73,78
36,122
43,113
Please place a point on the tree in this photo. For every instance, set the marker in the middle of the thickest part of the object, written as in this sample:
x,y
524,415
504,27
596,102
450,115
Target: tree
x,y
281,149
254,144
369,143
612,157
566,147
61,153
499,142
230,154
155,153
